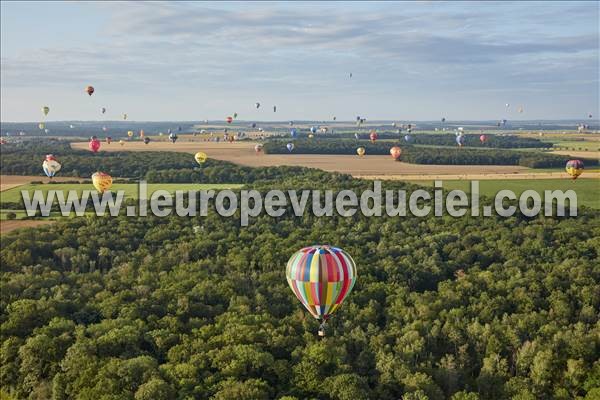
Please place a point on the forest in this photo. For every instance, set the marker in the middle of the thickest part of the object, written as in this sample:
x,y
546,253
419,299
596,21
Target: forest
x,y
197,308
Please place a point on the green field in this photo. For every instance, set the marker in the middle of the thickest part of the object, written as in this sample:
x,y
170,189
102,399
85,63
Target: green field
x,y
131,189
588,190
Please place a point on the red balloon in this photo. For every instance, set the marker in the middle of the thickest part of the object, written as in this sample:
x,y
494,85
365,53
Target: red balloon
x,y
396,152
373,136
94,145
483,138
89,90
229,120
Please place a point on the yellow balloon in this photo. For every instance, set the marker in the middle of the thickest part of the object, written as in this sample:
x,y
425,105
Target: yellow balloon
x,y
200,157
361,151
45,110
102,182
41,125
130,133
121,142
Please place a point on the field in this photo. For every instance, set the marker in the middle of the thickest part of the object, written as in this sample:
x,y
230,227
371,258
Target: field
x,y
587,190
382,167
11,181
8,226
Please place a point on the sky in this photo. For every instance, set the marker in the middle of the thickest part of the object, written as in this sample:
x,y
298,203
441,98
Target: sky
x,y
204,60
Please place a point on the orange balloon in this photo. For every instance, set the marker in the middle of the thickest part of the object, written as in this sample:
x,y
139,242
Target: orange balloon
x,y
396,152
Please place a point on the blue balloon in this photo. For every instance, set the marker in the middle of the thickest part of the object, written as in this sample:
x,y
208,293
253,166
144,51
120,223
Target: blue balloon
x,y
290,147
294,133
460,140
408,138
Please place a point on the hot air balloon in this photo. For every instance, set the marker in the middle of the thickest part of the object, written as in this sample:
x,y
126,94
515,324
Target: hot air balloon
x,y
350,74
407,138
460,140
173,137
274,108
51,166
46,130
257,104
258,148
234,115
130,134
179,129
373,136
146,140
356,136
443,119
507,105
313,129
293,133
104,128
89,90
45,110
321,277
124,116
395,152
290,147
41,125
334,117
361,151
483,138
94,144
103,109
108,139
291,123
71,126
574,168
141,134
102,182
121,142
200,157
229,120
253,125
589,115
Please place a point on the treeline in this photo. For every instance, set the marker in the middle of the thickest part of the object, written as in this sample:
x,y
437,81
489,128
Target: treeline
x,y
425,155
437,139
173,308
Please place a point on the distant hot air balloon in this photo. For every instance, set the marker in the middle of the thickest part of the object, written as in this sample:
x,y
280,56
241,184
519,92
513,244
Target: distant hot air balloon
x,y
574,168
104,128
71,126
443,119
257,104
291,123
130,134
290,147
310,136
589,115
293,133
258,148
313,129
41,125
253,125
146,140
483,138
274,108
460,140
373,136
407,138
395,152
229,120
321,277
94,144
173,137
101,181
234,115
46,130
121,142
108,139
507,105
142,134
124,116
334,117
103,109
200,157
350,74
361,151
356,136
45,110
89,90
50,166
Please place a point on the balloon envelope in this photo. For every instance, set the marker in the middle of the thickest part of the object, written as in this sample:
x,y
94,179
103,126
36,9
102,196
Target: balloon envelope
x,y
361,151
200,157
395,152
89,90
321,277
51,166
94,145
258,148
101,181
290,146
574,168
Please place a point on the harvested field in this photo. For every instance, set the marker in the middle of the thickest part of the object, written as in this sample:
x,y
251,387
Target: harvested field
x,y
7,226
243,153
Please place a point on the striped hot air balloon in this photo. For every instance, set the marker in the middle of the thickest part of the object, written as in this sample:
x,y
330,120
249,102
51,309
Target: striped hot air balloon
x,y
574,168
321,277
